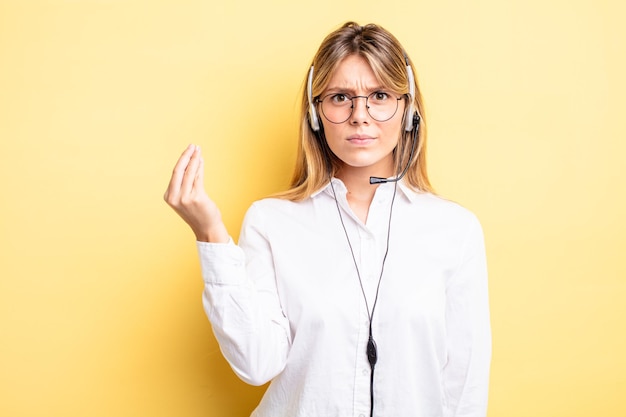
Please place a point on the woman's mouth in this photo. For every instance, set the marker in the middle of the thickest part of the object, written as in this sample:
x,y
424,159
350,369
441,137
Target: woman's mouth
x,y
360,139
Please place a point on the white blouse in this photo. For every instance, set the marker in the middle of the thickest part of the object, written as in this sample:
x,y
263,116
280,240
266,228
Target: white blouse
x,y
286,305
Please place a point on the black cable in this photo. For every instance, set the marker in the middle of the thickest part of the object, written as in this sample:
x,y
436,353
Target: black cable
x,y
372,357
371,349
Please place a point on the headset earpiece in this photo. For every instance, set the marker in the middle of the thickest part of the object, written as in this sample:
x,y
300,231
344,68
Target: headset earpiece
x,y
314,121
408,116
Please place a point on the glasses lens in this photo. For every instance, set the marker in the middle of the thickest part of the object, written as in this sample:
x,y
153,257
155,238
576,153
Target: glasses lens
x,y
337,107
381,105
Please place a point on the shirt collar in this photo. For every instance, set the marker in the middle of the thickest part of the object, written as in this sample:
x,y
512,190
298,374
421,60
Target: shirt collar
x,y
340,187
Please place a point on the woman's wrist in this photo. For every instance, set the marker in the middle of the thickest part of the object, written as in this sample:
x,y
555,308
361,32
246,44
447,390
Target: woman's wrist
x,y
215,234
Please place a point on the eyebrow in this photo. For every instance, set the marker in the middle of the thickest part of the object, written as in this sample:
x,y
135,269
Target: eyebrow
x,y
352,91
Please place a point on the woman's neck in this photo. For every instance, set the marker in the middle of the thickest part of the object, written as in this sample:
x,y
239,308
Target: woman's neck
x,y
360,192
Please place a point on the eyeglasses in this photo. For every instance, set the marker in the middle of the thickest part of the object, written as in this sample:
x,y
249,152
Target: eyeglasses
x,y
338,107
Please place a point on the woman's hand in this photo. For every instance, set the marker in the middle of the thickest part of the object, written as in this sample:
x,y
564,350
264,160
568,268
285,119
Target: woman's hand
x,y
186,195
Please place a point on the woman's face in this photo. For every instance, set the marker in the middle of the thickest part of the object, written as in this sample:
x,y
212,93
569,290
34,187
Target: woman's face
x,y
361,142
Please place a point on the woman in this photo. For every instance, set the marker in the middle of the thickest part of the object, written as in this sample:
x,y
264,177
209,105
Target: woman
x,y
358,291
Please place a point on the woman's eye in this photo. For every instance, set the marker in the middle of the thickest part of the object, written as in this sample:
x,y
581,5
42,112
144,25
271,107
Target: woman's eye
x,y
339,98
380,96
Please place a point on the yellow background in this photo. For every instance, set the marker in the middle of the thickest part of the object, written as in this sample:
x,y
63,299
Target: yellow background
x,y
100,307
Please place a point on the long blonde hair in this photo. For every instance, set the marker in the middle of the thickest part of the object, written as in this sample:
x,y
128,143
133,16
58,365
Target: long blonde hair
x,y
316,163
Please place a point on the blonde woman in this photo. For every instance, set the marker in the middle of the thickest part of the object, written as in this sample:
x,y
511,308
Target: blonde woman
x,y
358,291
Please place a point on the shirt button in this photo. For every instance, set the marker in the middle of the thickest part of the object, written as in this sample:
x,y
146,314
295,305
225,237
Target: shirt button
x,y
364,371
361,415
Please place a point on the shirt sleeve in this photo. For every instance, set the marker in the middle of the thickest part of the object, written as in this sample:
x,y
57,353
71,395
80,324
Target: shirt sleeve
x,y
468,331
241,301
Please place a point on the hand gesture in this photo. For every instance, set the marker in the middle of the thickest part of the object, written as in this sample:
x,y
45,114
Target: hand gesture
x,y
186,195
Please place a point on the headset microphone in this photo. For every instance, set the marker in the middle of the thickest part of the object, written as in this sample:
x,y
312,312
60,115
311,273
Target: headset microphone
x,y
416,125
411,124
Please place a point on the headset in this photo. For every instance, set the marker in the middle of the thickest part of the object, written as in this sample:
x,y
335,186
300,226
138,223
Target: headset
x,y
409,123
411,119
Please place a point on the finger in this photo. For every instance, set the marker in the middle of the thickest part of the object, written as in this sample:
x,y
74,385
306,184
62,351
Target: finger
x,y
190,174
199,183
179,171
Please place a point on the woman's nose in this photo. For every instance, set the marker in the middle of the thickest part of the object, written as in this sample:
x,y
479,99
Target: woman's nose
x,y
360,112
